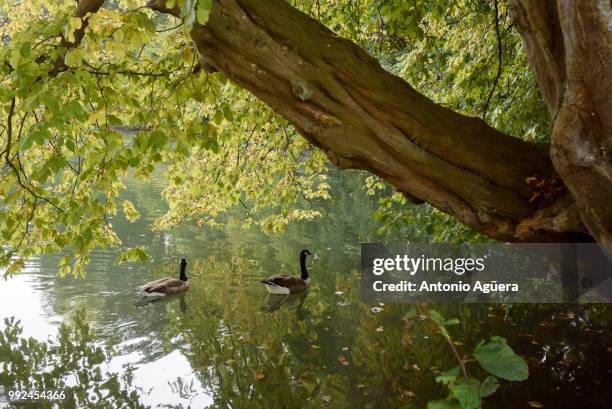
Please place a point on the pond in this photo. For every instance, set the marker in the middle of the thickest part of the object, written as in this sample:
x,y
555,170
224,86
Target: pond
x,y
226,343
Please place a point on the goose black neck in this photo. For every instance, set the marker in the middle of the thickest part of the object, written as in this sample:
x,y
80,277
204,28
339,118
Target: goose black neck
x,y
183,276
304,275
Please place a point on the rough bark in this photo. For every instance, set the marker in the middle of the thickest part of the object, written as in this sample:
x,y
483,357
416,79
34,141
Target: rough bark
x,y
569,44
341,100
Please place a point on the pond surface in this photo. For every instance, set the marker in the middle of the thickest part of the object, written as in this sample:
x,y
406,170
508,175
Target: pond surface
x,y
227,344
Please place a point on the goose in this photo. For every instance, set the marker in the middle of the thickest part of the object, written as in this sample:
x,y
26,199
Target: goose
x,y
167,285
282,284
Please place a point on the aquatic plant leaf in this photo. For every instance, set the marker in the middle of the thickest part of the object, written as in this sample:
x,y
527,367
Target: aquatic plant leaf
x,y
488,386
449,376
497,358
467,393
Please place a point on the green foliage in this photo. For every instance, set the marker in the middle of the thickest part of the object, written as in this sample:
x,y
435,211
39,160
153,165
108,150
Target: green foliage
x,y
419,223
127,101
130,97
495,357
135,254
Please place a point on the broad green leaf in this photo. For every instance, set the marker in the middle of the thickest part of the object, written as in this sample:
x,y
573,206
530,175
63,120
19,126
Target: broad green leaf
x,y
488,386
467,393
497,358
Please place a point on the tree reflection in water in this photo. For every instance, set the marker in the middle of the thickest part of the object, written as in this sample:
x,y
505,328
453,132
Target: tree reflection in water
x,y
73,363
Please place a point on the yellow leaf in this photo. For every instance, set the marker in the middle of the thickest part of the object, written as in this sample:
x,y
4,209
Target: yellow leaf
x,y
94,116
76,23
130,211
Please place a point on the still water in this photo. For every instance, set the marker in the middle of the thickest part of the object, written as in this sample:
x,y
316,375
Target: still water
x,y
227,344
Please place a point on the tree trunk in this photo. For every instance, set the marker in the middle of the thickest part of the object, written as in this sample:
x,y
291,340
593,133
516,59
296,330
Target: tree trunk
x,y
569,44
341,100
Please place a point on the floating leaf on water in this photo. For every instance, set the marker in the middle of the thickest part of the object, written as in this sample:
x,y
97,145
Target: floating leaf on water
x,y
535,404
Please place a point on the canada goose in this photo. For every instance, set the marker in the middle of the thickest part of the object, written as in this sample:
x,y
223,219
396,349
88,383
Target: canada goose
x,y
168,285
283,284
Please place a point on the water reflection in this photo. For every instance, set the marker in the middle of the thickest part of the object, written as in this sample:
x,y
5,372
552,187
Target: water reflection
x,y
228,343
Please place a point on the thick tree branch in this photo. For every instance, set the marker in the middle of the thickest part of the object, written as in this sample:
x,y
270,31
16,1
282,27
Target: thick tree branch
x,y
341,100
569,44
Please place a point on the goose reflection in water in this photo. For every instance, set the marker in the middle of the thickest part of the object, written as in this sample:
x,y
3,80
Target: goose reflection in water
x,y
274,302
164,300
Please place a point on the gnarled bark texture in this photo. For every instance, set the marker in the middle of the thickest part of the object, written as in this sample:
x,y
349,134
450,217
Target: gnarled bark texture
x,y
342,101
569,43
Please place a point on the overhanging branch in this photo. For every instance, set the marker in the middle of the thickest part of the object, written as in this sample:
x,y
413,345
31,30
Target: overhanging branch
x,y
341,100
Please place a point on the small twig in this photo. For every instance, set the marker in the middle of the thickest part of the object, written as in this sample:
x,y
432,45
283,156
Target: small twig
x,y
499,62
169,29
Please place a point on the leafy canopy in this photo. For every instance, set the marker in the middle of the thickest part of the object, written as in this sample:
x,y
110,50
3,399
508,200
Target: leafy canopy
x,y
79,114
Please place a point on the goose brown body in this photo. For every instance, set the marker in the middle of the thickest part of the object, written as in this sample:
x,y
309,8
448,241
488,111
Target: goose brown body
x,y
284,284
167,285
293,284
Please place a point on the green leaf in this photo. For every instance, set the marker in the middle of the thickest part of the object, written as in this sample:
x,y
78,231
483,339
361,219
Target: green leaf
x,y
497,358
203,11
436,317
133,254
467,393
448,376
38,136
488,387
443,404
50,101
453,321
